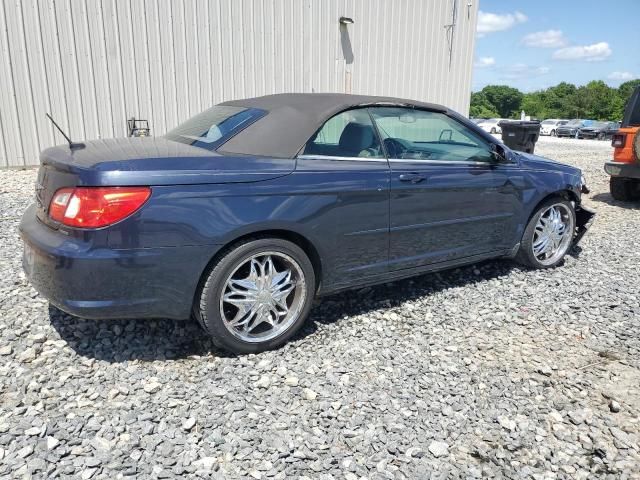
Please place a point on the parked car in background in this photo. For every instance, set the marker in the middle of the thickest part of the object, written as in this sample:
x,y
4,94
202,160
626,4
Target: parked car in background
x,y
245,213
572,127
624,183
548,127
599,130
491,125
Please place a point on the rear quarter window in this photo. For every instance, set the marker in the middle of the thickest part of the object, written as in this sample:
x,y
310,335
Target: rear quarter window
x,y
214,126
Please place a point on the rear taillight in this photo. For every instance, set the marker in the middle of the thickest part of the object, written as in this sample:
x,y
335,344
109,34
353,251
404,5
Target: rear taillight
x,y
95,207
618,140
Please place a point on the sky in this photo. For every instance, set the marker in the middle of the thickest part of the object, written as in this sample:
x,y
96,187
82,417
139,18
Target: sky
x,y
532,45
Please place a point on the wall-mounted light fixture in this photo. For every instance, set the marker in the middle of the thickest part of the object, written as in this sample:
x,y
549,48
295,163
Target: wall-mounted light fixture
x,y
346,21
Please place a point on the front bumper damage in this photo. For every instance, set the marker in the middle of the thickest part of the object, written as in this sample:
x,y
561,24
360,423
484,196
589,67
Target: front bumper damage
x,y
584,219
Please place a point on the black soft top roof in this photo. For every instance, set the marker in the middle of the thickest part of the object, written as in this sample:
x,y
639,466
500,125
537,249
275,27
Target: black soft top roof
x,y
293,118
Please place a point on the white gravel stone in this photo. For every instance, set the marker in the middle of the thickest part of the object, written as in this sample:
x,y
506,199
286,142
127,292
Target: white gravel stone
x,y
29,355
506,422
30,432
25,451
263,382
309,394
88,473
438,449
205,463
52,443
152,387
189,423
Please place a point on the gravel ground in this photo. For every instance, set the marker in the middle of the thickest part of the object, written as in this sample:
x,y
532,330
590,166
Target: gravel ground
x,y
485,371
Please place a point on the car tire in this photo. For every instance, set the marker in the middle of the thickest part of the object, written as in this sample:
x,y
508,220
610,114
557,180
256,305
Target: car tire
x,y
553,133
493,130
243,275
529,253
623,189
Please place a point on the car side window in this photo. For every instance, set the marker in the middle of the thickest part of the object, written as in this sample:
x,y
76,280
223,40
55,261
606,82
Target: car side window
x,y
347,134
424,135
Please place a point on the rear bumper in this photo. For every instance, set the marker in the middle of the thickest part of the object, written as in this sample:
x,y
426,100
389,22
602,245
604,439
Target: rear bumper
x,y
623,169
102,283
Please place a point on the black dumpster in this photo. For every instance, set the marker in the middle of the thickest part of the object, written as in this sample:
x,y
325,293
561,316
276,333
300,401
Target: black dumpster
x,y
520,135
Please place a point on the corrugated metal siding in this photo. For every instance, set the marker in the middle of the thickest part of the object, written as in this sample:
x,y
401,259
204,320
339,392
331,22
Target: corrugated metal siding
x,y
94,63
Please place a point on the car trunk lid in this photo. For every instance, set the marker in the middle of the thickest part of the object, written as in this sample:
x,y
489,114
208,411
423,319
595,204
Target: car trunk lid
x,y
145,162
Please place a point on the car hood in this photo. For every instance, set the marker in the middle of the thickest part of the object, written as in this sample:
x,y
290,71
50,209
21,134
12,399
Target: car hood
x,y
158,161
528,160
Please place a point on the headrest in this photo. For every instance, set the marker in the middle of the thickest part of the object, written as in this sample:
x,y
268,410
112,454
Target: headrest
x,y
356,137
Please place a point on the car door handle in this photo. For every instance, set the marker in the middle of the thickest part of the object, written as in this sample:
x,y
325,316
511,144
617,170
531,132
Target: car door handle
x,y
412,177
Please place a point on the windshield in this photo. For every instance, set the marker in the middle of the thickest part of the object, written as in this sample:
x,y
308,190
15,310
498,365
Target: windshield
x,y
599,124
574,123
214,126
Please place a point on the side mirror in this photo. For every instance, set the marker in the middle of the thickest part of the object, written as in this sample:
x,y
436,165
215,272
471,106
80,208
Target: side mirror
x,y
499,153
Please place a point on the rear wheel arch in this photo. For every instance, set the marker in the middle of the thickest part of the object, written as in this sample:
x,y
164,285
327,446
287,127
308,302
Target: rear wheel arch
x,y
294,237
275,294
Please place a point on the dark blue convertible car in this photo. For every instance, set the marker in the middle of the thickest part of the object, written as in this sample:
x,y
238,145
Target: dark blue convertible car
x,y
243,214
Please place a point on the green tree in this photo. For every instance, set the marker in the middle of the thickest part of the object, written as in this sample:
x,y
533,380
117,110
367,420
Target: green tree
x,y
595,100
622,97
505,100
599,100
626,89
558,100
577,104
535,104
481,107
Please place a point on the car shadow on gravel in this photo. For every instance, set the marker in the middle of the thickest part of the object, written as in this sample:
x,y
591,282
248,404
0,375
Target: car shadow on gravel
x,y
609,200
333,308
118,341
140,339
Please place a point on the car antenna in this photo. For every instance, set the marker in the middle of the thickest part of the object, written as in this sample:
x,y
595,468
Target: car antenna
x,y
72,145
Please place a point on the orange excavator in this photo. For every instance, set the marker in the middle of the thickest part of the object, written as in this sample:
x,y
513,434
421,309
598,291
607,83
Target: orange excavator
x,y
625,167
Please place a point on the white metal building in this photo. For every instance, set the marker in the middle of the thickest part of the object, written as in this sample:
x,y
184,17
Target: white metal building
x,y
93,64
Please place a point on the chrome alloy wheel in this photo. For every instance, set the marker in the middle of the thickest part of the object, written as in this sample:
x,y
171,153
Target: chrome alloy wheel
x,y
553,234
263,297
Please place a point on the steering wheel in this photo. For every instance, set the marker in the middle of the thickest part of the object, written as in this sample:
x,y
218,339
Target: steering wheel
x,y
394,147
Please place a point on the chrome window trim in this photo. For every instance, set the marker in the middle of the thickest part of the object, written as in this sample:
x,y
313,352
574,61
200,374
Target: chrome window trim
x,y
456,162
329,157
391,160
